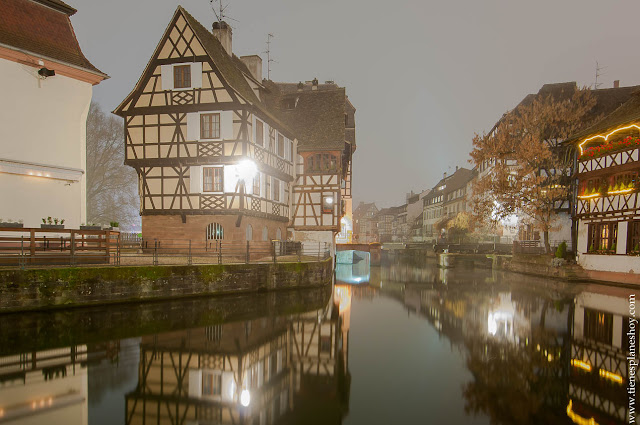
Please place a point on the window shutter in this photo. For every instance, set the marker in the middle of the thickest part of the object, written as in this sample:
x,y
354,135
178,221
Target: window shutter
x,y
195,383
226,125
195,180
166,75
196,75
193,126
263,185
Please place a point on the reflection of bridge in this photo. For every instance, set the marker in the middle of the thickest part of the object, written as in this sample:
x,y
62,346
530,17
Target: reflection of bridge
x,y
374,249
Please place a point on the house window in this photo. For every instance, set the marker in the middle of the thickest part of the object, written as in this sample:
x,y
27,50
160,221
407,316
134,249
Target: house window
x,y
322,163
633,237
280,145
623,182
210,126
259,133
211,384
249,232
212,179
603,237
265,233
325,344
182,76
590,187
215,232
598,326
276,190
256,185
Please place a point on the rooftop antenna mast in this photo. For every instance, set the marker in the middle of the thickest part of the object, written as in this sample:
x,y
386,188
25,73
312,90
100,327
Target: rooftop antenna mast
x,y
268,52
220,12
599,68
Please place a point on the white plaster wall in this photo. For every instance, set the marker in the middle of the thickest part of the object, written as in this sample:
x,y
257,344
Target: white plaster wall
x,y
562,228
610,263
311,238
583,237
43,121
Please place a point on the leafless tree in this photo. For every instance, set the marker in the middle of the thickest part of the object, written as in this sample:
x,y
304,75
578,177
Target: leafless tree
x,y
112,193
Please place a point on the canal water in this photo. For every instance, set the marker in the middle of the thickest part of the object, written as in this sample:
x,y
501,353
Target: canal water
x,y
397,344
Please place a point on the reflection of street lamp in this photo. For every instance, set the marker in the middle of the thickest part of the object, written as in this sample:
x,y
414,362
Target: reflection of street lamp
x,y
245,398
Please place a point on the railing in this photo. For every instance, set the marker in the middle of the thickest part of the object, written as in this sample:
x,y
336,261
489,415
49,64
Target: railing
x,y
187,252
32,246
537,246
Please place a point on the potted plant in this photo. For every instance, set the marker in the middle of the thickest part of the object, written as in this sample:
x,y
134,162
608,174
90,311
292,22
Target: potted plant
x,y
91,226
114,226
11,223
52,223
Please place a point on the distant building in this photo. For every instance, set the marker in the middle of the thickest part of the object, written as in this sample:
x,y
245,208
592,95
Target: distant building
x,y
447,198
46,88
415,209
364,226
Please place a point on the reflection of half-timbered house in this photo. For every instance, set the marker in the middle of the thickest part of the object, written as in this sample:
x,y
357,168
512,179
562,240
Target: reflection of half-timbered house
x,y
608,204
262,371
599,380
215,146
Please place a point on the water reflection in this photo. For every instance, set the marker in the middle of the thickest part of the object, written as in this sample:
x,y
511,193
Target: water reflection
x,y
514,350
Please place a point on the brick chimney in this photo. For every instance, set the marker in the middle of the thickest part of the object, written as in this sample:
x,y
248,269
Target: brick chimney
x,y
616,84
222,31
314,84
254,63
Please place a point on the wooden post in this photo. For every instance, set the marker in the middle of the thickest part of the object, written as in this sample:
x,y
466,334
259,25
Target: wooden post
x,y
273,250
73,247
248,258
32,243
219,244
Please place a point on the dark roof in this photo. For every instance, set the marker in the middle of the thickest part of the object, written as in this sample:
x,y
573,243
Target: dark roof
x,y
362,208
627,113
58,5
317,117
607,100
455,181
42,31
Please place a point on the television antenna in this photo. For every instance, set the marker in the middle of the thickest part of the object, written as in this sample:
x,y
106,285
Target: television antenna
x,y
268,52
220,12
599,68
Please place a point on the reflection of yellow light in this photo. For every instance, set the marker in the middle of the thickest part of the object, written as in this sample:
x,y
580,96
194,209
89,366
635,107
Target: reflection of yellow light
x,y
577,419
616,192
593,195
550,358
581,364
245,398
343,294
611,376
605,138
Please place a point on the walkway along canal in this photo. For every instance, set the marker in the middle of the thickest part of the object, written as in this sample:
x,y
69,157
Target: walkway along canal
x,y
409,343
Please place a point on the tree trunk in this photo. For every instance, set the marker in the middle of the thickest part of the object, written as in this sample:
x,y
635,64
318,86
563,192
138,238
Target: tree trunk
x,y
547,245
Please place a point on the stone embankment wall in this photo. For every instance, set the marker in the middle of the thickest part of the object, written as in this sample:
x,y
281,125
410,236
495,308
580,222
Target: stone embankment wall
x,y
539,265
22,290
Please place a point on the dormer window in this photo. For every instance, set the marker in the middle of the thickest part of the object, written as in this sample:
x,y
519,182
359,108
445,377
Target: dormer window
x,y
181,76
289,103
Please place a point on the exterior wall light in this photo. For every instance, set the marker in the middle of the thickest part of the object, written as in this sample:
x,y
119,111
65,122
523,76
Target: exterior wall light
x,y
247,170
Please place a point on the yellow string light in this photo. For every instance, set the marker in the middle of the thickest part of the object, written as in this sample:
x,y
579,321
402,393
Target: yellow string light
x,y
610,376
582,365
577,419
593,195
605,138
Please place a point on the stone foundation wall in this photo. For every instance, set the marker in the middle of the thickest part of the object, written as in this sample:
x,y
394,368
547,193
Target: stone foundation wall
x,y
171,227
22,290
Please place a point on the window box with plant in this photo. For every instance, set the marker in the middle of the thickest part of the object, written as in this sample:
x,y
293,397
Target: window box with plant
x,y
114,225
11,223
52,223
603,238
91,226
629,142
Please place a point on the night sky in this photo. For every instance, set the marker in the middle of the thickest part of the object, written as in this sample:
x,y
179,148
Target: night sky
x,y
423,75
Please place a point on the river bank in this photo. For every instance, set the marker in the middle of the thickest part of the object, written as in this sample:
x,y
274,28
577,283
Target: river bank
x,y
50,288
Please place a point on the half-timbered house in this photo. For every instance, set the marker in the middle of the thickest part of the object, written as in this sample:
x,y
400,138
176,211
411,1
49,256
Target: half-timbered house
x,y
222,154
607,205
46,88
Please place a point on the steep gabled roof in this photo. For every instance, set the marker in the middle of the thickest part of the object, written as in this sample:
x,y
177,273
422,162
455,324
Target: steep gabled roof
x,y
42,29
317,117
627,113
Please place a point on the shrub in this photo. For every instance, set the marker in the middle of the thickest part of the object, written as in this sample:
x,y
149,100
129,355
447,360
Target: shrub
x,y
562,250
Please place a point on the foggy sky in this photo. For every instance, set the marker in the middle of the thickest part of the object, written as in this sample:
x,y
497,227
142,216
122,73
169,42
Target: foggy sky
x,y
423,75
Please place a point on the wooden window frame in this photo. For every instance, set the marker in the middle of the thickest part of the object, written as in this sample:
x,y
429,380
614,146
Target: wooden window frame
x,y
280,152
220,183
598,326
256,185
275,188
259,140
212,133
211,381
633,237
182,76
602,237
323,163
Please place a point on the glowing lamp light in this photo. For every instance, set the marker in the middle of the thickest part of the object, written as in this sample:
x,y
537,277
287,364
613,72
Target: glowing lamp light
x,y
328,200
577,419
247,170
593,195
610,376
617,192
580,364
245,398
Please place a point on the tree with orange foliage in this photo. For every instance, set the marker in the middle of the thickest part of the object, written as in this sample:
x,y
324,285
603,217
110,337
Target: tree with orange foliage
x,y
530,172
